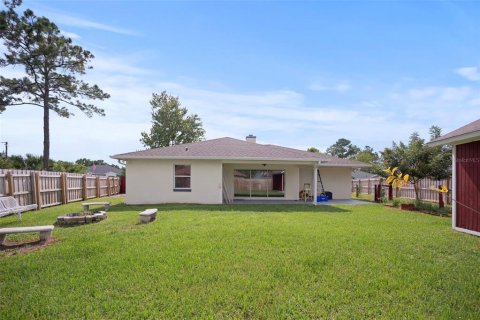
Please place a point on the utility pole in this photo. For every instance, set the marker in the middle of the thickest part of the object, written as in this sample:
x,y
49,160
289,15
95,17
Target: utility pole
x,y
6,148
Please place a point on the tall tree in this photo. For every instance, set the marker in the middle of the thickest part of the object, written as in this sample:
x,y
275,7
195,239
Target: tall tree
x,y
441,159
343,148
170,123
88,162
435,132
52,64
368,155
313,149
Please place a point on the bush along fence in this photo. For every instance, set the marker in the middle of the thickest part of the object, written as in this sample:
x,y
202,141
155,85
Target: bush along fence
x,y
425,191
46,188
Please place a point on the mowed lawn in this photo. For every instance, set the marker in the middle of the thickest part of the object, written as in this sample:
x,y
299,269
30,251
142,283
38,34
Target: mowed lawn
x,y
242,261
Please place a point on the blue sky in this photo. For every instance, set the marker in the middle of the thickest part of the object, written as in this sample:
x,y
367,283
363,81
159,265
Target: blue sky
x,y
298,74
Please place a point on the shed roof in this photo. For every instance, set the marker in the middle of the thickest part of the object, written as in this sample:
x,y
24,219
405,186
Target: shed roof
x,y
234,149
469,132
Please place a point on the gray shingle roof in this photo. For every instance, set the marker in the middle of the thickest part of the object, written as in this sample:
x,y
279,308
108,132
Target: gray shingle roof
x,y
103,169
458,134
359,174
234,149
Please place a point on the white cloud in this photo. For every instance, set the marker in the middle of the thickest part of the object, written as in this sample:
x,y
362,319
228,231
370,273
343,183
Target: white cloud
x,y
66,19
455,94
421,93
475,102
117,65
443,94
70,35
340,87
470,73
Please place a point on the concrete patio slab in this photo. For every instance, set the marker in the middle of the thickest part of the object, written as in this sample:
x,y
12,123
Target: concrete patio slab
x,y
299,202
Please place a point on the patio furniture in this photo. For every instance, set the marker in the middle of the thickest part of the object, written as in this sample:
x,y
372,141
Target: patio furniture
x,y
9,205
86,206
307,191
45,232
148,215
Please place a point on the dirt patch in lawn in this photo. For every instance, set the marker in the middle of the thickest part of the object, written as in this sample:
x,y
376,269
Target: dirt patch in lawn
x,y
11,248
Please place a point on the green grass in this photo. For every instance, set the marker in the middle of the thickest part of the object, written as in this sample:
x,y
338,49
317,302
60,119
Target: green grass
x,y
242,261
427,206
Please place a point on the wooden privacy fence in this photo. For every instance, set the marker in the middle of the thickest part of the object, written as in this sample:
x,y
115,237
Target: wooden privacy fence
x,y
424,188
46,188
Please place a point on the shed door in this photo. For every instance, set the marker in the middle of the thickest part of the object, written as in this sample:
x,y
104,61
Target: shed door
x,y
468,185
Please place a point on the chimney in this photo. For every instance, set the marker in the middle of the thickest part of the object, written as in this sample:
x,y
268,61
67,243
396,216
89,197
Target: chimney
x,y
251,138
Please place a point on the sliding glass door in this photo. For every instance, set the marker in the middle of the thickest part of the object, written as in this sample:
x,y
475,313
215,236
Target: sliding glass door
x,y
259,183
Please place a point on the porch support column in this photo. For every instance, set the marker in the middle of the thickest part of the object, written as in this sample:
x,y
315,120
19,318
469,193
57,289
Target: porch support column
x,y
314,191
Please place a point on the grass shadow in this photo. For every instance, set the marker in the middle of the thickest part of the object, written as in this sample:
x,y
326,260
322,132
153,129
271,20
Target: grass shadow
x,y
294,208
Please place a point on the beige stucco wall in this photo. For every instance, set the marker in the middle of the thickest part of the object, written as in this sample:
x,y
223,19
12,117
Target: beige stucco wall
x,y
291,177
151,181
337,180
305,176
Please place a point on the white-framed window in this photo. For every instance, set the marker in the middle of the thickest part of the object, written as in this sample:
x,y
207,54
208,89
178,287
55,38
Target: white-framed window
x,y
182,175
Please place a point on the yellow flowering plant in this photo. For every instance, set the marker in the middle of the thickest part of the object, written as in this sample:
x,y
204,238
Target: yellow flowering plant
x,y
441,189
396,178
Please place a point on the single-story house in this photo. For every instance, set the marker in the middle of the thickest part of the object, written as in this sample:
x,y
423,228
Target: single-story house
x,y
465,176
222,170
104,170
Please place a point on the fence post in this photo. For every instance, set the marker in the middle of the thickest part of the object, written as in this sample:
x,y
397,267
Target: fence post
x,y
97,182
368,186
108,186
34,188
448,195
37,190
10,187
84,187
63,185
441,204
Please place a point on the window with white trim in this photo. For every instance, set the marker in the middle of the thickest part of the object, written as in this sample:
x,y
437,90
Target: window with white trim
x,y
182,177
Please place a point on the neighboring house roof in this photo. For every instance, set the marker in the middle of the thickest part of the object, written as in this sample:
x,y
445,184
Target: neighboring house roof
x,y
102,169
469,132
234,149
359,174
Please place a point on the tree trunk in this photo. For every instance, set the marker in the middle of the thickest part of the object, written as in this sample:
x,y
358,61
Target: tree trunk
x,y
415,188
46,133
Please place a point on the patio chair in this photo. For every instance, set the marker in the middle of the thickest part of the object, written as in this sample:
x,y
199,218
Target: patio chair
x,y
9,205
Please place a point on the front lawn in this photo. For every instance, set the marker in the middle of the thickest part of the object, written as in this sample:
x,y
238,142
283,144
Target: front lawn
x,y
244,261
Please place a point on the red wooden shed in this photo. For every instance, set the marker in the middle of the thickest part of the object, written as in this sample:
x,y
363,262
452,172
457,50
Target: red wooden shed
x,y
465,176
